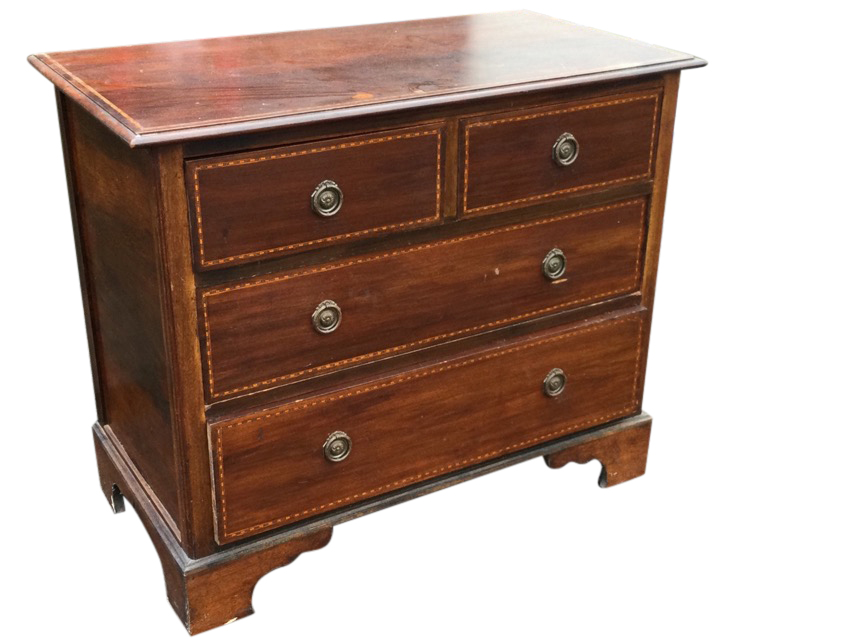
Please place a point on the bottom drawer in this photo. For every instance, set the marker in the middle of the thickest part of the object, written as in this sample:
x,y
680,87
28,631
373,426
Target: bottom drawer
x,y
273,469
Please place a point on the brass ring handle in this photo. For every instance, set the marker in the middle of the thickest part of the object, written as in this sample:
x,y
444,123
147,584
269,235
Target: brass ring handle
x,y
337,447
554,264
554,383
326,317
565,150
327,199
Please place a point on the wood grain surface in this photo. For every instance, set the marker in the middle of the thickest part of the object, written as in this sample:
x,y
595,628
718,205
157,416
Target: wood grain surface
x,y
270,469
258,334
622,454
114,191
201,262
508,156
255,205
211,591
202,88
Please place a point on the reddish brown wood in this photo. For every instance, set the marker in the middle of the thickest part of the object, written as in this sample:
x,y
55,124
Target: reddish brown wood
x,y
204,593
449,326
249,206
622,454
449,113
182,90
116,210
446,230
83,268
270,469
451,167
222,592
658,200
213,591
180,320
474,283
508,156
229,408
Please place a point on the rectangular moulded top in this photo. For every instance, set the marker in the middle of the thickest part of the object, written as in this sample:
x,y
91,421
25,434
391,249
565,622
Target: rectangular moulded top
x,y
180,91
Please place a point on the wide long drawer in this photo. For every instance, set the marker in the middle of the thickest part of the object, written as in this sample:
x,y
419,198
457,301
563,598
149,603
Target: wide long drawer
x,y
270,331
277,467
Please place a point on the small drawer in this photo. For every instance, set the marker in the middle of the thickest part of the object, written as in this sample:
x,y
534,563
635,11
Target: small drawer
x,y
305,458
522,158
265,203
297,324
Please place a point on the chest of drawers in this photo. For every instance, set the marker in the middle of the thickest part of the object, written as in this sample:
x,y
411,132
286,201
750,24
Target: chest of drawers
x,y
325,272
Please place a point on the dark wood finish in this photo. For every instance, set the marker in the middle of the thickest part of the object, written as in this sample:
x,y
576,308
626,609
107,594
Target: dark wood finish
x,y
235,406
254,205
183,90
270,470
622,454
256,335
658,200
116,220
447,230
449,113
139,296
222,592
178,295
208,593
508,157
83,269
449,326
216,590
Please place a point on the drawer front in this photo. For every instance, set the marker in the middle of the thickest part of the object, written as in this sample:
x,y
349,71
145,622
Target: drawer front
x,y
270,469
254,205
510,159
261,333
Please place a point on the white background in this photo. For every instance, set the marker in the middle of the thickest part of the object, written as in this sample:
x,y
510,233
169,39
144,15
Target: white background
x,y
742,525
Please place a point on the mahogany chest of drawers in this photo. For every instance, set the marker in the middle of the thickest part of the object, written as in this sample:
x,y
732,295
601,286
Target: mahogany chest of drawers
x,y
325,272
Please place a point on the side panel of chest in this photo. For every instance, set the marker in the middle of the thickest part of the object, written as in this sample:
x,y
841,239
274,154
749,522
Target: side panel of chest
x,y
114,191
